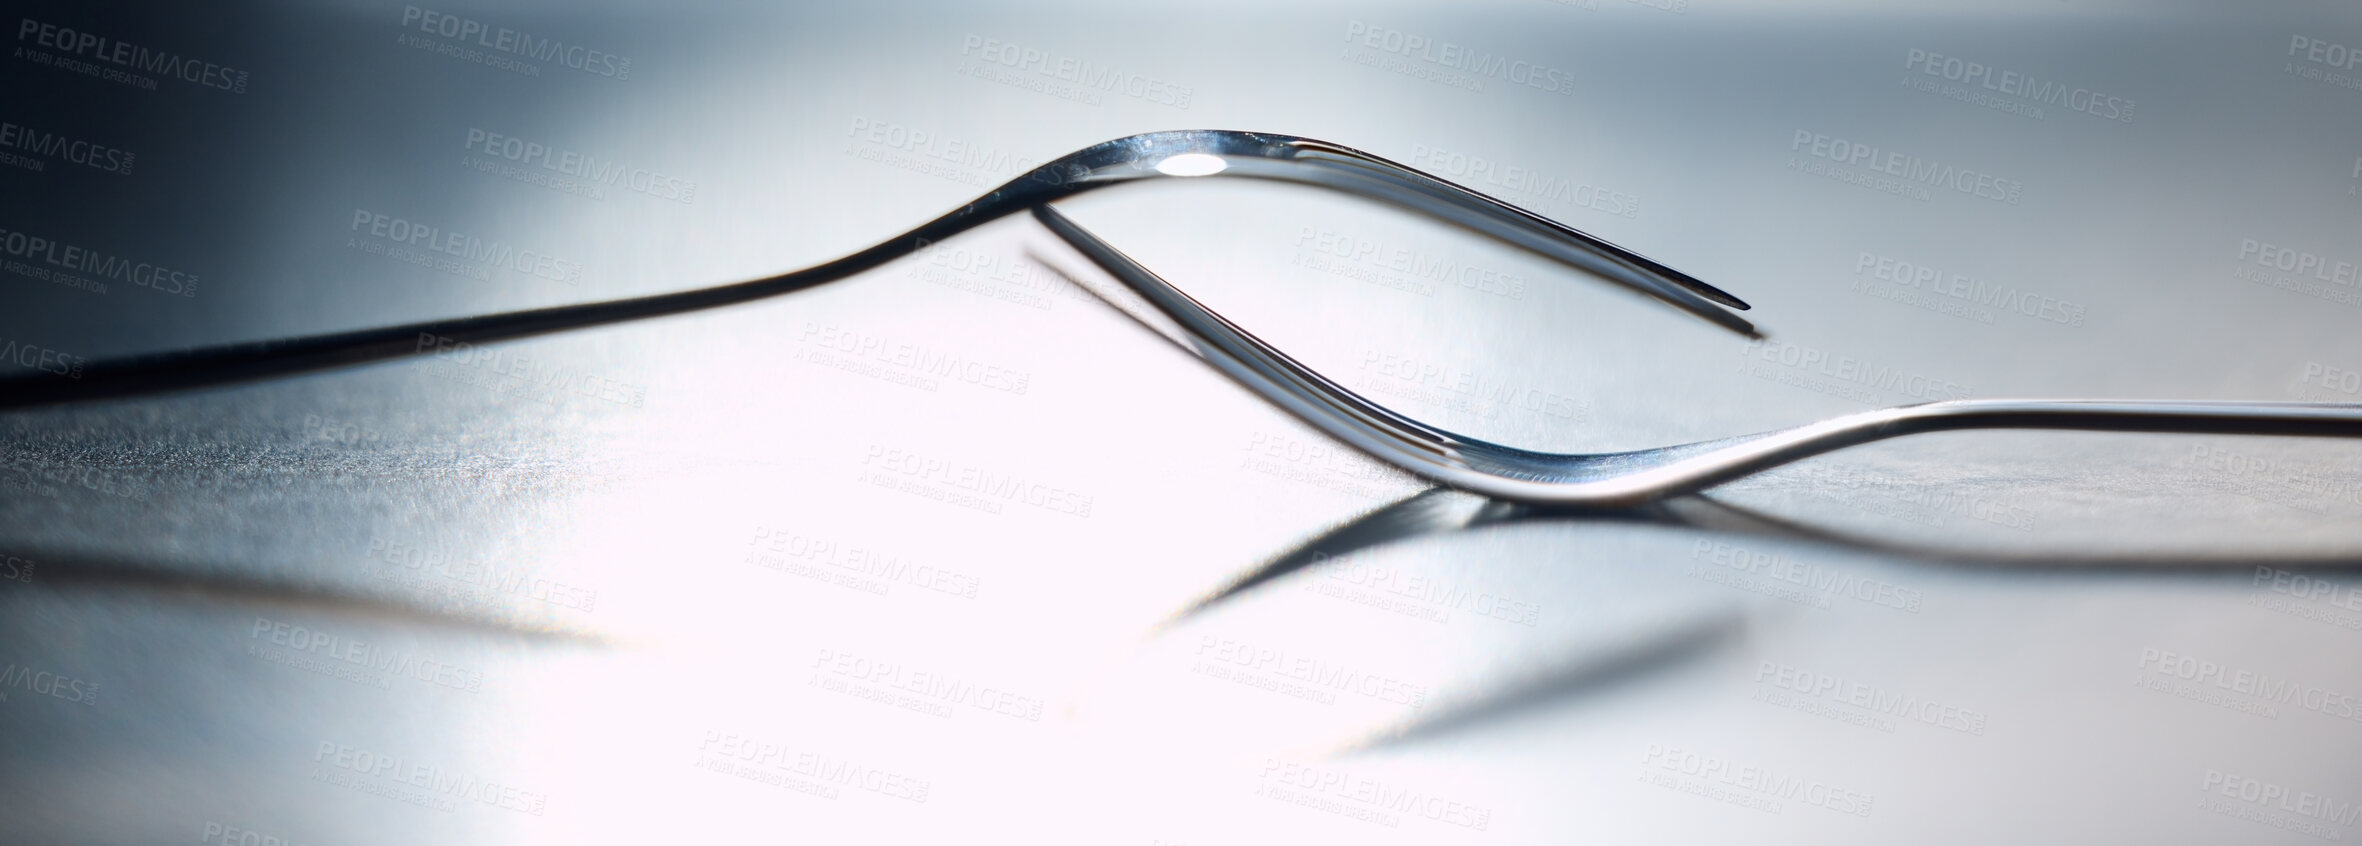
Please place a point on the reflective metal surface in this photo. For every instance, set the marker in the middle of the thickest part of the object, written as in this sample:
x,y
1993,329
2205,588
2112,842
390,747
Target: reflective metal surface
x,y
1631,478
952,549
1194,153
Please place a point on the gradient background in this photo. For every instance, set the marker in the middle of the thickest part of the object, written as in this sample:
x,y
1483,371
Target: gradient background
x,y
701,599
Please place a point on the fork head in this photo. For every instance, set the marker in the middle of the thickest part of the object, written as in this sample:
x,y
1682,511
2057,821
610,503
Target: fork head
x,y
1305,161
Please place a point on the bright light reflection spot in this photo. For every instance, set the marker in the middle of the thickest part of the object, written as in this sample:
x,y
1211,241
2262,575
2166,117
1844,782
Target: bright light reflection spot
x,y
1192,164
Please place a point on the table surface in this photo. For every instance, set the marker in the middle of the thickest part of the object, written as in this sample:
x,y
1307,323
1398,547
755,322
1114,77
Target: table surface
x,y
952,548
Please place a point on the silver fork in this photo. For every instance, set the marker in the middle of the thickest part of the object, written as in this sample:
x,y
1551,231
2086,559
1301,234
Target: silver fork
x,y
1622,479
1153,155
1610,479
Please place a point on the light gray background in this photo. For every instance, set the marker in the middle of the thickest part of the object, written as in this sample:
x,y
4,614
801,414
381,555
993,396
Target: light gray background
x,y
748,579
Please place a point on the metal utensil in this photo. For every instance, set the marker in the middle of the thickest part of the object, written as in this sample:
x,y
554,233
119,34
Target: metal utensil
x,y
1630,478
1154,155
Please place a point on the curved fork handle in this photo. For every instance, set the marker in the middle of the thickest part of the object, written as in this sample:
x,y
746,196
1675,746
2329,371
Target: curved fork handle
x,y
1629,478
1134,158
1754,454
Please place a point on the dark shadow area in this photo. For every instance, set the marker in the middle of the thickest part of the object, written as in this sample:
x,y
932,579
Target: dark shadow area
x,y
1440,511
65,573
1568,680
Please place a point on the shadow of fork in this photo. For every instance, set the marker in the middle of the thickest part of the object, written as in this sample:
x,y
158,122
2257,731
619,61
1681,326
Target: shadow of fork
x,y
1437,512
